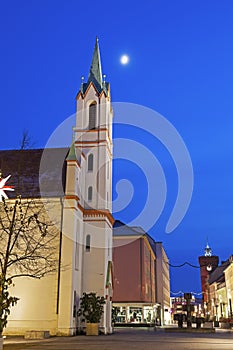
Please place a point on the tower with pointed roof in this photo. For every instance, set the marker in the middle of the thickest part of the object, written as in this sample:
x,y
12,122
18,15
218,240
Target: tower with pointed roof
x,y
93,136
88,195
208,263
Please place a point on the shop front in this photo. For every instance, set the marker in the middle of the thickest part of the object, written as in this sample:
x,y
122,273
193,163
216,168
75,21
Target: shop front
x,y
136,314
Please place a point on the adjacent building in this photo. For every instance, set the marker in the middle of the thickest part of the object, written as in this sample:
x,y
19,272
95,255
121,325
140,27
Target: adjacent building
x,y
220,291
228,273
141,277
217,286
163,282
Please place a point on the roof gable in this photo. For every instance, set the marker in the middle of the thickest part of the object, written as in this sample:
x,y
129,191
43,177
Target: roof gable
x,y
218,274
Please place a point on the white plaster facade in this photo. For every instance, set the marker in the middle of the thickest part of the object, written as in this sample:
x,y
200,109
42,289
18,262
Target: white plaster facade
x,y
163,283
85,247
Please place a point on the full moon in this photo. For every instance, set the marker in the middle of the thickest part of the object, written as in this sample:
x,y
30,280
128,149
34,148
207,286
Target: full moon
x,y
124,59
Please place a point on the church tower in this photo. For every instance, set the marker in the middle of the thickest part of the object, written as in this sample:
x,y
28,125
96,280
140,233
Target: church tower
x,y
82,218
208,263
93,147
87,215
93,137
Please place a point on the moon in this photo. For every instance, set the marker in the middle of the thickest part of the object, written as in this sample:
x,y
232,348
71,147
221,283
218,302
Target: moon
x,y
124,59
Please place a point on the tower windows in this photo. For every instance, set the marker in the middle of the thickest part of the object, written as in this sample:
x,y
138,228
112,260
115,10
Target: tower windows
x,y
90,162
88,243
92,116
89,193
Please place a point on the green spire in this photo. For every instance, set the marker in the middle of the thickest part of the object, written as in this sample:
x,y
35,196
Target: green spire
x,y
95,74
71,154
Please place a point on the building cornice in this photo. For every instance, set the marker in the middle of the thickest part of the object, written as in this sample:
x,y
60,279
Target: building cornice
x,y
92,213
72,197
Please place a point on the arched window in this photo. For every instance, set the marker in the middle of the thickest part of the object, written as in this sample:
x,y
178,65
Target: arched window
x,y
92,116
89,193
88,243
90,162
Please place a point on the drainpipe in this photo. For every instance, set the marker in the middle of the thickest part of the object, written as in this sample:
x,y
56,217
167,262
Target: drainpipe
x,y
59,257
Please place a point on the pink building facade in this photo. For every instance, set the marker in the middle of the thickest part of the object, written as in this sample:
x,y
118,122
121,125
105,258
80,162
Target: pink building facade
x,y
135,279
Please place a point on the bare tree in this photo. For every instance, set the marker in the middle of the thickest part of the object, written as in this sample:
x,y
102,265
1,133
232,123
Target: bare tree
x,y
27,247
26,141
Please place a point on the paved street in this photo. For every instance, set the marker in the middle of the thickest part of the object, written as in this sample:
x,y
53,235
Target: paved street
x,y
130,339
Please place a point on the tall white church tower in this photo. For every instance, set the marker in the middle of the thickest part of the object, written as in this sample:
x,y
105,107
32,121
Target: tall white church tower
x,y
87,219
83,222
93,146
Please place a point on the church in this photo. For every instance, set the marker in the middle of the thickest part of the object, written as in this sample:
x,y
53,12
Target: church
x,y
77,183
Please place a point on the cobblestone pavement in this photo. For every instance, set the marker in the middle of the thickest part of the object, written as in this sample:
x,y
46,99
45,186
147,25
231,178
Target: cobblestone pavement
x,y
129,339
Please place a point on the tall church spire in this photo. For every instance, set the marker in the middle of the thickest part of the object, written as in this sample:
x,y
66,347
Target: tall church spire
x,y
95,74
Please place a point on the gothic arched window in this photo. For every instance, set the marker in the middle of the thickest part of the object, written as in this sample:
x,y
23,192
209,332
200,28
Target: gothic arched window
x,y
89,193
92,116
90,162
88,243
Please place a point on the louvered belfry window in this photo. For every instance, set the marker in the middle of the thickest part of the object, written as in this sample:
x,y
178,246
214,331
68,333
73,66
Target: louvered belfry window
x,y
90,162
89,194
88,243
92,116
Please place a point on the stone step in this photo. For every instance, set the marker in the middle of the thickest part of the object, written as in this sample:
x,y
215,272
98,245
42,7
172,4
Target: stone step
x,y
36,335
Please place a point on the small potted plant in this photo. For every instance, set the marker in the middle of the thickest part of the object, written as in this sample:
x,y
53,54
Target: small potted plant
x,y
91,309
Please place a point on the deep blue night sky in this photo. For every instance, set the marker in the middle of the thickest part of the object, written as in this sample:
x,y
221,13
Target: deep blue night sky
x,y
181,65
